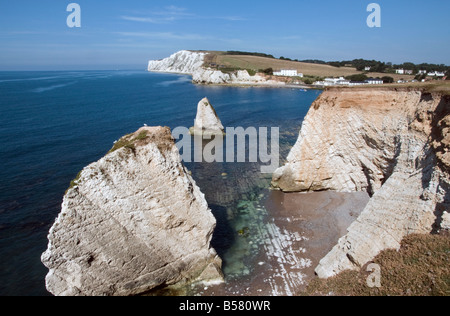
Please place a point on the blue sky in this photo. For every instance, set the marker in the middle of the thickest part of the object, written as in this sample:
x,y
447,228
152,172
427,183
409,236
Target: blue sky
x,y
126,34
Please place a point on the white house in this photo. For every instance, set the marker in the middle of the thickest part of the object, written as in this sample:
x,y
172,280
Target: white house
x,y
287,73
357,83
374,81
436,74
343,82
367,68
333,82
403,72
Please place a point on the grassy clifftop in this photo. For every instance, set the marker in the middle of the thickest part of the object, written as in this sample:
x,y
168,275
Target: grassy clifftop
x,y
442,87
228,60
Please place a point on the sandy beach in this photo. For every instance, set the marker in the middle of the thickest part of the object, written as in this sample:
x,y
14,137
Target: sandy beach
x,y
301,229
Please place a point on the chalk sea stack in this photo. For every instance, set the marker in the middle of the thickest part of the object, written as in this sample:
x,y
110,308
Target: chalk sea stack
x,y
207,122
392,143
130,222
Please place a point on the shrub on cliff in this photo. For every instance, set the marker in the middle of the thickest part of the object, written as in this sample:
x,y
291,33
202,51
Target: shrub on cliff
x,y
267,71
233,52
358,77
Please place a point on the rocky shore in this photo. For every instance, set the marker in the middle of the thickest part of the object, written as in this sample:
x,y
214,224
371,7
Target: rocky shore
x,y
131,222
391,143
136,220
298,230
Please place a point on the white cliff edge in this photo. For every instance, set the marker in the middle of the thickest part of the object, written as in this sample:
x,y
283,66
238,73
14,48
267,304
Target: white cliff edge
x,y
239,77
392,143
182,62
130,222
192,63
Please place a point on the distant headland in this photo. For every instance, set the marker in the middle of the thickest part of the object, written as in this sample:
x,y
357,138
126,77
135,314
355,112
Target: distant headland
x,y
259,69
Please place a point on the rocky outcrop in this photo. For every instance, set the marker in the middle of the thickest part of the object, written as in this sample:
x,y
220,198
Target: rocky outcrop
x,y
182,62
207,122
192,63
130,222
445,224
393,144
238,77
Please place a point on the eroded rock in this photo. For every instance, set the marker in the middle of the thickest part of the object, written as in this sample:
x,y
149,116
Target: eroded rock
x,y
207,121
390,143
132,221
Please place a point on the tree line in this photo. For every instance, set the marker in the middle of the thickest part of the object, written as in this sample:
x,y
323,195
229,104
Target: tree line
x,y
360,64
379,66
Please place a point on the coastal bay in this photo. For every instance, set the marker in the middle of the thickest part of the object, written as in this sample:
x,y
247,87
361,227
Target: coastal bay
x,y
56,123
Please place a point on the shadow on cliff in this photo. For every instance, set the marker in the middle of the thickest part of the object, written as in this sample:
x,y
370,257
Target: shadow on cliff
x,y
224,235
439,126
440,209
437,148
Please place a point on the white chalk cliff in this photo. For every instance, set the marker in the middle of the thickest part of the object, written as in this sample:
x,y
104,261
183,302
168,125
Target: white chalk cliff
x,y
130,222
207,122
192,63
182,62
239,77
395,144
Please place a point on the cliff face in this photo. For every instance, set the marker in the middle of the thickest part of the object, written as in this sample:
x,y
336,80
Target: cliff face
x,y
393,144
130,222
240,77
187,62
183,62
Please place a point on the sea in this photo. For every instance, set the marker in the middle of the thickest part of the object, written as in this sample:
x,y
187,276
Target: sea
x,y
52,124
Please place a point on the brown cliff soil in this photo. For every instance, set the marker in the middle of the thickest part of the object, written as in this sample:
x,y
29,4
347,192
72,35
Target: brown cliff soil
x,y
419,268
440,133
162,136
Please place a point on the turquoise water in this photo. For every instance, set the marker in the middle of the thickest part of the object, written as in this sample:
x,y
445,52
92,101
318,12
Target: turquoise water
x,y
55,123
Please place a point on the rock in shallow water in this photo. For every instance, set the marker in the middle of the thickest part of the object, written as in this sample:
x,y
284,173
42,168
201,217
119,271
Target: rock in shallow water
x,y
207,121
130,222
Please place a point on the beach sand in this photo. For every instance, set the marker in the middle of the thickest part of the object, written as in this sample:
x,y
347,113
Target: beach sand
x,y
299,230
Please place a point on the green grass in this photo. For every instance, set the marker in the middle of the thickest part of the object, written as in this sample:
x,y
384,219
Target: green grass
x,y
75,181
128,141
230,70
308,79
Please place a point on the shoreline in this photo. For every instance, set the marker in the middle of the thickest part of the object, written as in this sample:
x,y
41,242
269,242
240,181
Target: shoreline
x,y
429,86
301,229
242,84
321,217
255,85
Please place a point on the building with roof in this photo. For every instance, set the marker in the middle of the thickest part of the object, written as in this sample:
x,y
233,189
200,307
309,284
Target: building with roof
x,y
287,73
